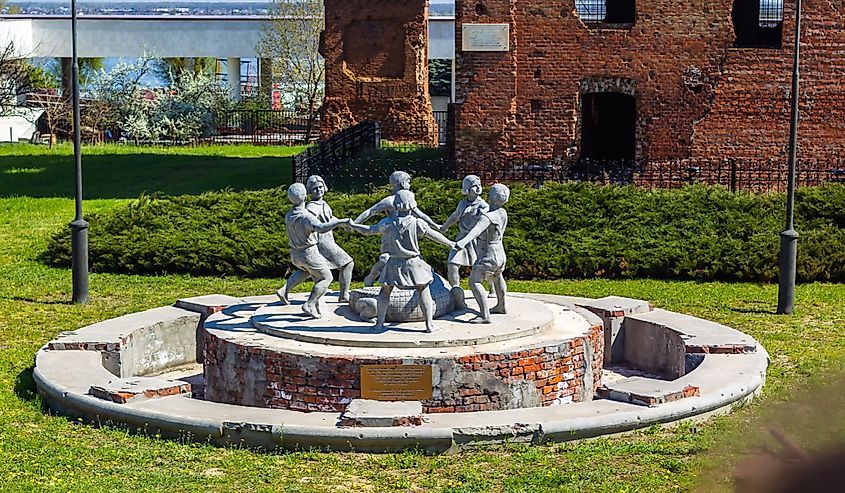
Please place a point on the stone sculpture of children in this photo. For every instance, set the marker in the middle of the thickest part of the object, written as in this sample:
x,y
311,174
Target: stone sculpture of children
x,y
404,268
466,215
336,257
490,263
303,229
399,180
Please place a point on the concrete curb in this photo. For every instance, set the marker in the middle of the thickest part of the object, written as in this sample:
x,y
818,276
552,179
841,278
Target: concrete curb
x,y
65,388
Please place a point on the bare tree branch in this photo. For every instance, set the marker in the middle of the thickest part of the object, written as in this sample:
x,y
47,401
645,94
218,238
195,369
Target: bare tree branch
x,y
291,39
15,78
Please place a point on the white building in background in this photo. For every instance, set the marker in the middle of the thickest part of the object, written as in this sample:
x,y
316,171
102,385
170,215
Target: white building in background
x,y
124,36
20,126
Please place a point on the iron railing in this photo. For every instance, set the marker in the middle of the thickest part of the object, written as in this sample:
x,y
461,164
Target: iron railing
x,y
735,174
265,127
333,154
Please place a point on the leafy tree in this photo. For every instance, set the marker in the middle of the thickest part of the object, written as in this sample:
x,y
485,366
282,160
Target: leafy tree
x,y
171,69
89,68
187,109
291,39
440,77
184,110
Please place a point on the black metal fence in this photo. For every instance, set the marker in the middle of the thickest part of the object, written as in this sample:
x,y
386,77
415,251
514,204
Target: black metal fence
x,y
735,174
334,154
265,127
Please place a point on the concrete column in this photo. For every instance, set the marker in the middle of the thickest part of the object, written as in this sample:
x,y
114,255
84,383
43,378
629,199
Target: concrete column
x,y
265,77
233,75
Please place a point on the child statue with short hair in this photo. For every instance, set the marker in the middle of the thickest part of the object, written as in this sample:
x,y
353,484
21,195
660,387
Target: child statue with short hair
x,y
303,229
404,268
336,256
466,215
490,263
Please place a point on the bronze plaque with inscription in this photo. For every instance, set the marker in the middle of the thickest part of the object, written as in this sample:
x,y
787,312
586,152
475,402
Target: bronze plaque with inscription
x,y
396,382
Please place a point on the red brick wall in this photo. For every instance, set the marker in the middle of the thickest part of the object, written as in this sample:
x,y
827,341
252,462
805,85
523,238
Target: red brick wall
x,y
377,68
256,376
696,96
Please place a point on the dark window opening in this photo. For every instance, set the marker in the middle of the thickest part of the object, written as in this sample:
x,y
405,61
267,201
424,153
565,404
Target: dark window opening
x,y
758,23
606,11
608,126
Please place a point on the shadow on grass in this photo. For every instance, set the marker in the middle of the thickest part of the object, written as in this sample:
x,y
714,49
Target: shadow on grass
x,y
25,385
116,176
753,311
41,302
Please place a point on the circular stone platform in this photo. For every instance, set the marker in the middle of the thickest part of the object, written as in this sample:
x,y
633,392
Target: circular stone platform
x,y
143,370
340,326
538,354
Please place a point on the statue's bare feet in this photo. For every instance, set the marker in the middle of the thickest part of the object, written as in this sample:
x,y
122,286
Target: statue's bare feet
x,y
498,309
379,327
311,310
283,296
343,299
431,328
479,320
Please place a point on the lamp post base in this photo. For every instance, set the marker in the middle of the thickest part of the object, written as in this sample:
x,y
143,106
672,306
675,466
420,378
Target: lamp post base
x,y
79,260
786,278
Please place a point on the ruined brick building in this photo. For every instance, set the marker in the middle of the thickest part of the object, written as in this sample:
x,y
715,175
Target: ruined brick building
x,y
645,80
377,67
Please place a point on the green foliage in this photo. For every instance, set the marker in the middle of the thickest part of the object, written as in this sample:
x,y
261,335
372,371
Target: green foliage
x,y
561,230
44,452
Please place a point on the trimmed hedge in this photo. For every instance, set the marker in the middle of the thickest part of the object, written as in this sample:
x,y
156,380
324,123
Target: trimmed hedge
x,y
561,230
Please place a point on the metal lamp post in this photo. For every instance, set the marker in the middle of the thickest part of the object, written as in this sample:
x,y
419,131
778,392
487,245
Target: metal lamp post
x,y
79,227
789,237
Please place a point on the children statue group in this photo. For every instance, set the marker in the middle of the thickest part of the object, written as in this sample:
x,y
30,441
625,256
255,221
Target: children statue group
x,y
481,226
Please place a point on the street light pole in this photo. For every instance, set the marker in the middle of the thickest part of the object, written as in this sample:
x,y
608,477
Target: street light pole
x,y
79,227
789,237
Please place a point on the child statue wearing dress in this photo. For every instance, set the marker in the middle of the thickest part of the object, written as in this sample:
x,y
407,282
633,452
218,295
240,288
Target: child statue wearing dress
x,y
405,268
467,213
336,256
490,263
303,229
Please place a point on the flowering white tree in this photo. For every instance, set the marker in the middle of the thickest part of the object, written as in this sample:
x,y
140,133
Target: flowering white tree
x,y
184,110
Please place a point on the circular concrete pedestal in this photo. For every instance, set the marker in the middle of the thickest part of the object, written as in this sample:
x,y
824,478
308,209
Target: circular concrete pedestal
x,y
538,354
340,326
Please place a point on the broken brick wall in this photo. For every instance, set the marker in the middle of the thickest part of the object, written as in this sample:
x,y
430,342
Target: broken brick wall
x,y
376,56
696,95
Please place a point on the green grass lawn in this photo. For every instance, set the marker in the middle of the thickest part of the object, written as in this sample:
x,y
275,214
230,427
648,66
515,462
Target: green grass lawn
x,y
41,452
125,171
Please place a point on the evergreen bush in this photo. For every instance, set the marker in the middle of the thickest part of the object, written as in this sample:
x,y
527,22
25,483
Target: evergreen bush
x,y
561,230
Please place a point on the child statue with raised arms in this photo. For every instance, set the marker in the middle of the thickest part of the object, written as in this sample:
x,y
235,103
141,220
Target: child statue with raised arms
x,y
404,268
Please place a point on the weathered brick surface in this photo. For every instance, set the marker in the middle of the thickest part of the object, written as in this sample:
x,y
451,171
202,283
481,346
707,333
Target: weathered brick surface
x,y
376,57
696,95
255,376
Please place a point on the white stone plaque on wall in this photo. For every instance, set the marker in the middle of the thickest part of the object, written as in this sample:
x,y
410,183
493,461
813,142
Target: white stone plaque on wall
x,y
485,37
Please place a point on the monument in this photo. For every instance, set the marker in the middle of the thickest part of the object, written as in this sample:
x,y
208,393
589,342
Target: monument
x,y
301,370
